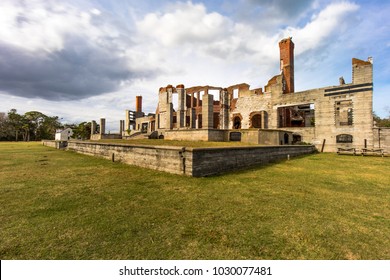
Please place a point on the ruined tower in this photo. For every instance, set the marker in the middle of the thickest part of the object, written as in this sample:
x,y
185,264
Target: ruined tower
x,y
286,47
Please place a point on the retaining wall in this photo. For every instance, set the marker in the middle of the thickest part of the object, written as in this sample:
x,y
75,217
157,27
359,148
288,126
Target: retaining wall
x,y
161,158
211,161
216,135
196,162
55,144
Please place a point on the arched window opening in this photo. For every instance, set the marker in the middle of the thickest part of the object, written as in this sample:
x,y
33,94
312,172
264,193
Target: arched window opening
x,y
237,122
256,121
286,139
344,138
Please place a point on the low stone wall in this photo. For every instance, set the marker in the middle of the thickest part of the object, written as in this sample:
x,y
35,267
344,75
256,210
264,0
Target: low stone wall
x,y
168,159
197,162
95,137
216,135
211,161
55,144
264,136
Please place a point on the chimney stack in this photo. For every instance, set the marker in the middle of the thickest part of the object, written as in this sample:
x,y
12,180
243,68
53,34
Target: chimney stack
x,y
286,47
138,104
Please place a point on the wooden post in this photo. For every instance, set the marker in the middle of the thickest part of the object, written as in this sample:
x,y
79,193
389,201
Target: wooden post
x,y
323,146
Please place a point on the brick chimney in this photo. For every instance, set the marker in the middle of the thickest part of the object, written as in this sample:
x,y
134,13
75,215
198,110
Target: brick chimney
x,y
138,104
286,47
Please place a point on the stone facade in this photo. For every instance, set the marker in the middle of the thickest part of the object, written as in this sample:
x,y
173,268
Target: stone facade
x,y
329,117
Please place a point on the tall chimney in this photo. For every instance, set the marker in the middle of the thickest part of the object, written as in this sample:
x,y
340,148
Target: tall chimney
x,y
286,47
138,104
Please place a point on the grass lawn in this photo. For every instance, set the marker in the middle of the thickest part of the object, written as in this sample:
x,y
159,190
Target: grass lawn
x,y
63,205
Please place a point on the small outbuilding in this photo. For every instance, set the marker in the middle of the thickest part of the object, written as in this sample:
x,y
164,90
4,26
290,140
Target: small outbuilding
x,y
63,135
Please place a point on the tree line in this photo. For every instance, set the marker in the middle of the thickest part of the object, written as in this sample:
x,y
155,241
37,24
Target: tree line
x,y
35,126
382,122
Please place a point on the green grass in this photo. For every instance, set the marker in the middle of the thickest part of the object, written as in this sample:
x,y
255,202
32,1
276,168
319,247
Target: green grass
x,y
63,205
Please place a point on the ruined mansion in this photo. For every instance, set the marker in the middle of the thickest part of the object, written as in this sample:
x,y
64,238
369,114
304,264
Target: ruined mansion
x,y
332,117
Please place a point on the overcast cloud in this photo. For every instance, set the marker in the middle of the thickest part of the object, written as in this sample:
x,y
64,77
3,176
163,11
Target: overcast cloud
x,y
57,52
101,53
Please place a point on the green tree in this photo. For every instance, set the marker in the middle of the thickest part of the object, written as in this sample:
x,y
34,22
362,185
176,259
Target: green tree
x,y
16,123
48,127
6,133
32,126
379,122
82,130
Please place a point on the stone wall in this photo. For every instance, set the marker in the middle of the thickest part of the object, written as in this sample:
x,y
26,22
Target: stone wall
x,y
95,137
382,138
195,162
265,136
212,161
250,136
55,144
214,135
168,159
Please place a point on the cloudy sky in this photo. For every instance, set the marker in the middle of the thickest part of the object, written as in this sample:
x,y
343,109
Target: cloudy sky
x,y
83,60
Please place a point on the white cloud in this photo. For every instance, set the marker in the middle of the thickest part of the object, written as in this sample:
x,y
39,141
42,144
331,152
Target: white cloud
x,y
329,21
191,26
188,30
186,24
187,36
43,25
96,12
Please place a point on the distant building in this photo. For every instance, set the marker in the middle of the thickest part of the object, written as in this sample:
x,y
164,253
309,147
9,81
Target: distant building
x,y
63,135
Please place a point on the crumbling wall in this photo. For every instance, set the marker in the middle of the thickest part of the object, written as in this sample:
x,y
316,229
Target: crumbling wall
x,y
248,104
